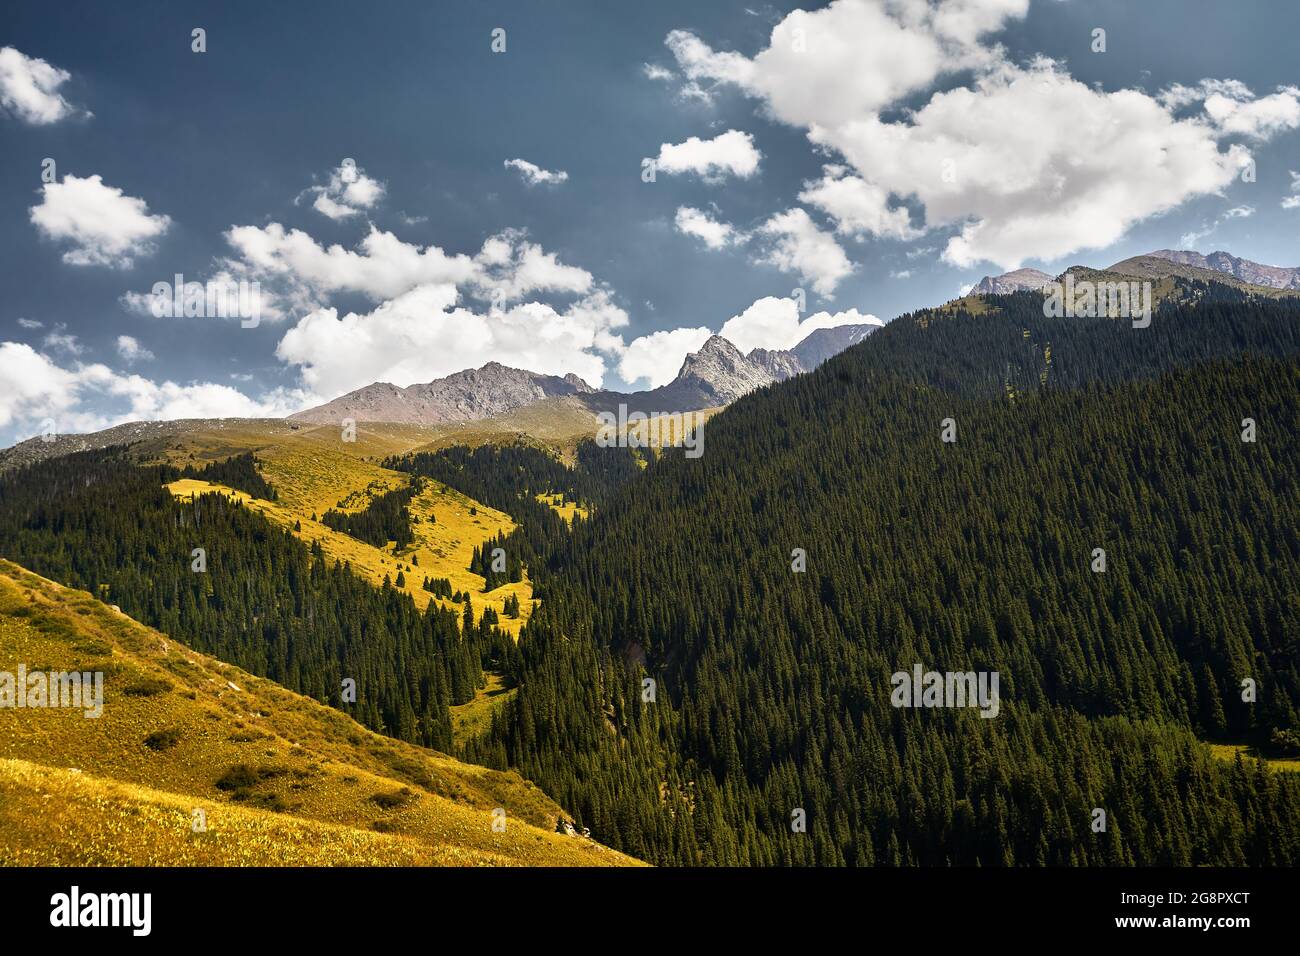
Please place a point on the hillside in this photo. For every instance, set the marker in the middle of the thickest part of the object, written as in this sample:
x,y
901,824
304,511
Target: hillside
x,y
1276,277
313,469
281,779
774,684
1161,269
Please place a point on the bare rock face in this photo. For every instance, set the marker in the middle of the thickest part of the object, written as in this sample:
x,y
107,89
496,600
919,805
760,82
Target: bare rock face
x,y
721,372
822,344
778,363
1021,280
1274,277
465,396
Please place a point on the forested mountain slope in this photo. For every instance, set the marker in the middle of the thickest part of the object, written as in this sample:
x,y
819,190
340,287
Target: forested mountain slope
x,y
265,601
192,761
773,687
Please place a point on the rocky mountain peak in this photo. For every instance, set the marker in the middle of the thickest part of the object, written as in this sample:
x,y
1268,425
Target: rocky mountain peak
x,y
1020,280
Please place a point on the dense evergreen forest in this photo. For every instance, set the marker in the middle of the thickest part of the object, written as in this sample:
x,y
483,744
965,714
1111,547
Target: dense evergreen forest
x,y
713,649
238,472
266,601
386,517
772,687
497,562
509,477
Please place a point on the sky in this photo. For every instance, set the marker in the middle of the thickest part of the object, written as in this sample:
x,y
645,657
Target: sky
x,y
404,190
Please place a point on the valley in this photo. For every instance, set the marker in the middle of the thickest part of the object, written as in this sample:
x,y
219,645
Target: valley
x,y
625,563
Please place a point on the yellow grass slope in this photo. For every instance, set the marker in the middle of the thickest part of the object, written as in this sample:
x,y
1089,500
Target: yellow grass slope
x,y
279,779
313,470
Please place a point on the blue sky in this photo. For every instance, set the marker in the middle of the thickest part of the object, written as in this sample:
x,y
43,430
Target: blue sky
x,y
879,155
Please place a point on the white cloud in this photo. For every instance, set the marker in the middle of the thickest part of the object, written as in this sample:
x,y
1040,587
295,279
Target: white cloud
x,y
31,324
425,334
712,232
131,350
63,341
998,161
104,226
510,266
859,208
1234,110
87,398
334,210
383,267
348,192
1192,238
731,153
534,175
773,323
799,245
29,88
692,92
1177,96
654,71
657,358
853,58
1001,163
1293,201
298,274
1257,119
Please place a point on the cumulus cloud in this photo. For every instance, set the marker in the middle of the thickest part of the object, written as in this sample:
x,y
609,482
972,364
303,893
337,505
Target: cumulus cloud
x,y
712,232
534,175
293,268
853,58
102,225
997,162
348,192
304,271
858,207
31,324
657,358
89,397
799,245
131,350
728,154
426,333
29,89
1234,110
1000,162
773,323
509,268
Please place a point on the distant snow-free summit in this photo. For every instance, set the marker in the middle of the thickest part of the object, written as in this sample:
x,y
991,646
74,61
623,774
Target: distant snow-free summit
x,y
716,374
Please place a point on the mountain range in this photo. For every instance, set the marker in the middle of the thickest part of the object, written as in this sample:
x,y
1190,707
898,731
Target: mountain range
x,y
716,374
1080,440
1158,264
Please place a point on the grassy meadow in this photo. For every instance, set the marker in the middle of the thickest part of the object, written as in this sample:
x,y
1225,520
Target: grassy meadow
x,y
279,778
